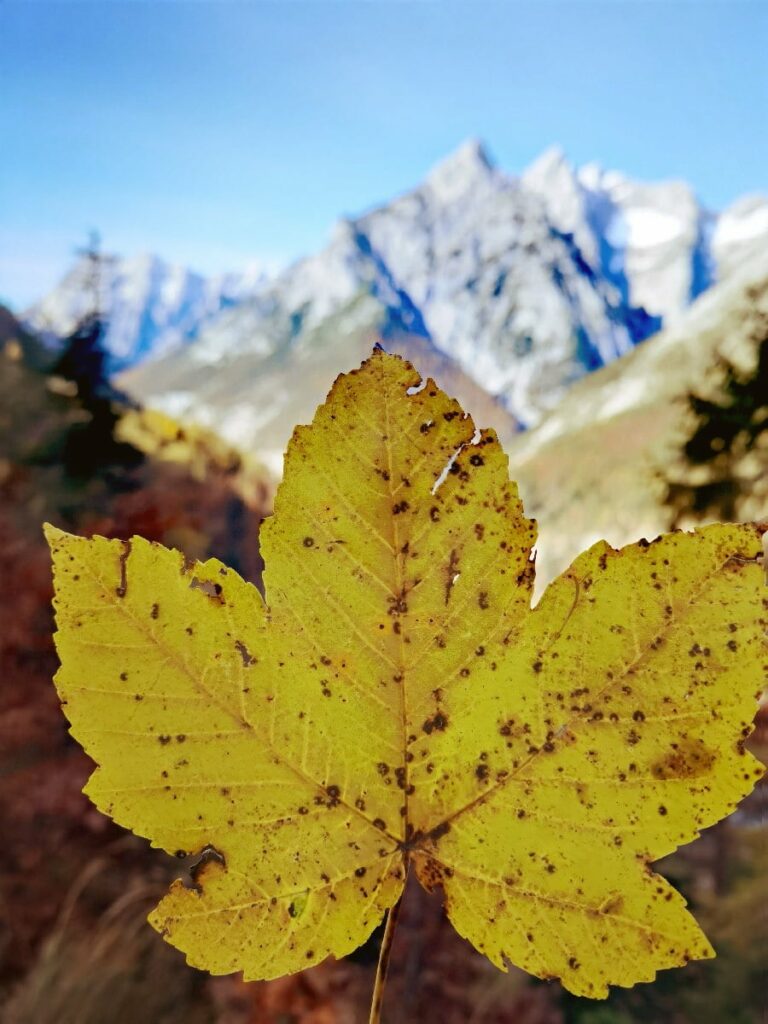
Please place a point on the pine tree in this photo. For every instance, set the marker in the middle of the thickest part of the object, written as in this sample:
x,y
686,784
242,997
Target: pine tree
x,y
89,446
723,469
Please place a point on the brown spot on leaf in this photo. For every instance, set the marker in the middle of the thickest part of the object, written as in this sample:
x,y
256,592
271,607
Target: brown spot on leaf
x,y
122,588
687,759
334,796
439,722
245,654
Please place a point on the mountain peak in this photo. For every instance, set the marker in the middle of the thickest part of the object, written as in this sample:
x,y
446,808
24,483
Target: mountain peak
x,y
549,167
460,170
553,155
525,281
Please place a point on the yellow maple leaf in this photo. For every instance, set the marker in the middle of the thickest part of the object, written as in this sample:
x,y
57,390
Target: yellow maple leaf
x,y
395,703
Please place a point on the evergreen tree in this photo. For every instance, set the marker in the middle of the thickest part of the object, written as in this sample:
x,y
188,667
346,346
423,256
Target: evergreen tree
x,y
724,461
89,446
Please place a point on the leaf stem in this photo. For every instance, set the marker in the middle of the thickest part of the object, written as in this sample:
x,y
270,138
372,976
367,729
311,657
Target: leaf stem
x,y
383,964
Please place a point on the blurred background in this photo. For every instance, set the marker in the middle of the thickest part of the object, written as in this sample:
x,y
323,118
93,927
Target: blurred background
x,y
558,210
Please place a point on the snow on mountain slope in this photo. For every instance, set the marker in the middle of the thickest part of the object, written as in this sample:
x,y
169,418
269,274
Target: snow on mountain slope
x,y
152,306
525,283
740,233
567,201
287,309
655,241
504,293
253,393
470,260
643,237
265,364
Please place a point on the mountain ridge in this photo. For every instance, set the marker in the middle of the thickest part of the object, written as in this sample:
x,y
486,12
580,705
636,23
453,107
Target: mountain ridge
x,y
526,283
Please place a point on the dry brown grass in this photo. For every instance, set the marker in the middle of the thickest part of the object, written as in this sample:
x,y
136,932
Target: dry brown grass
x,y
115,971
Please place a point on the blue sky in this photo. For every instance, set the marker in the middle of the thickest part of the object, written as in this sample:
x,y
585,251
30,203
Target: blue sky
x,y
221,133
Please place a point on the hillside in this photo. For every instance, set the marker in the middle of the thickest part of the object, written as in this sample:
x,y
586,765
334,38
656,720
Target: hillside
x,y
254,399
594,467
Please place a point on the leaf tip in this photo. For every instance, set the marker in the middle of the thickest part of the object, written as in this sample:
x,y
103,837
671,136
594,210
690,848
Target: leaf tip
x,y
53,535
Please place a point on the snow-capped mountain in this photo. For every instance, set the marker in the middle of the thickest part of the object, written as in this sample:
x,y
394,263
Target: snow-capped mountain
x,y
524,283
151,306
265,364
502,290
648,239
655,241
288,308
469,260
740,234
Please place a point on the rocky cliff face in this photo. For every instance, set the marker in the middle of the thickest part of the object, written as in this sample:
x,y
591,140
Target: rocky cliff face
x,y
521,285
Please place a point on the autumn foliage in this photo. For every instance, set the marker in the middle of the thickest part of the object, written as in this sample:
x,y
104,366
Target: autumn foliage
x,y
75,889
397,706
